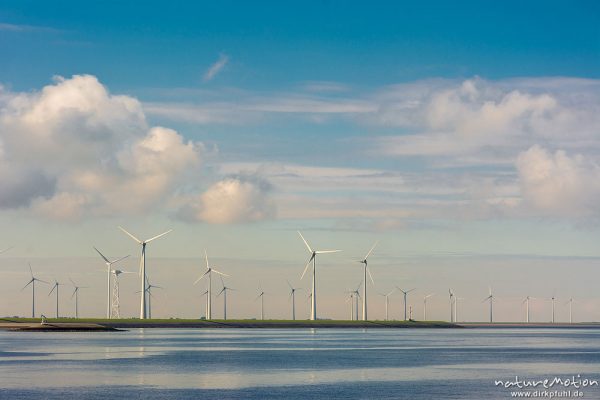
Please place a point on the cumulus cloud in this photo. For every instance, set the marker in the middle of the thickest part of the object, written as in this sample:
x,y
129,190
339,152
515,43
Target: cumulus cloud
x,y
216,67
232,200
557,184
73,149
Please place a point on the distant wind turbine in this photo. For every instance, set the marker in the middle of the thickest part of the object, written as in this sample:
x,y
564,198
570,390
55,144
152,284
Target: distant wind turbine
x,y
261,296
208,272
293,298
149,291
313,258
115,308
32,283
405,293
108,267
206,305
224,291
56,285
526,302
365,271
570,303
425,305
451,293
142,272
490,298
76,294
387,302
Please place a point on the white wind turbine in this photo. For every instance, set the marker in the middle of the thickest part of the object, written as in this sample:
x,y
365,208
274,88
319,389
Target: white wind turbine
x,y
208,272
293,298
570,303
313,258
32,283
149,291
224,291
425,305
108,267
491,300
351,300
365,271
451,293
261,296
206,305
76,294
387,302
405,292
142,272
356,293
526,302
56,285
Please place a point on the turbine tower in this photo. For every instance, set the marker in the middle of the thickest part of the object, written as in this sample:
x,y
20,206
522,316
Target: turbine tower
x,y
387,302
313,258
425,306
76,294
56,285
224,291
366,269
405,293
553,300
456,299
526,302
491,299
32,283
205,305
108,267
451,293
142,272
209,271
293,298
115,308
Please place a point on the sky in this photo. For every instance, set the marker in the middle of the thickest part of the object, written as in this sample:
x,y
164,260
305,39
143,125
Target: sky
x,y
463,138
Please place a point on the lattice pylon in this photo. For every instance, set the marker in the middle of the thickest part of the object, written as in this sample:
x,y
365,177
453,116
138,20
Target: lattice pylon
x,y
114,300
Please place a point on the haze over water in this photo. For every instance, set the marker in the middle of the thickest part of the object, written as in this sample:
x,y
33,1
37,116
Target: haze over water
x,y
295,364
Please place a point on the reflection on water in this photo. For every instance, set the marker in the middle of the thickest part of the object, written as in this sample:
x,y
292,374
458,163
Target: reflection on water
x,y
410,363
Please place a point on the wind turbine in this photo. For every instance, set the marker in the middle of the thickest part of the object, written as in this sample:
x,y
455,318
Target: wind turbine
x,y
32,282
387,302
404,293
108,267
351,300
149,290
451,293
491,299
206,305
262,302
366,269
142,272
356,293
56,285
570,303
293,298
553,300
313,258
209,271
114,302
526,302
425,305
224,291
76,294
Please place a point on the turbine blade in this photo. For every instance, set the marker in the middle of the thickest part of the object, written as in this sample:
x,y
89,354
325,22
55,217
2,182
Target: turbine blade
x,y
203,275
222,290
5,250
307,264
119,259
28,283
101,255
130,235
288,282
53,287
206,257
305,242
371,276
370,251
30,270
326,251
411,290
74,291
218,272
157,236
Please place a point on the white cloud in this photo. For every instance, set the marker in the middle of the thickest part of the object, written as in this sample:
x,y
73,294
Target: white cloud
x,y
558,184
73,149
216,67
232,200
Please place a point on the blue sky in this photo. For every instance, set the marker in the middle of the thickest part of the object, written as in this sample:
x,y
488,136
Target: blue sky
x,y
463,136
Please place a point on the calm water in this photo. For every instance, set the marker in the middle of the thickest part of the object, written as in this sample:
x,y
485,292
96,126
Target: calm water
x,y
291,364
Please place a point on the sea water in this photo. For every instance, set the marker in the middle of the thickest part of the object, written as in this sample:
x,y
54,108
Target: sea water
x,y
293,363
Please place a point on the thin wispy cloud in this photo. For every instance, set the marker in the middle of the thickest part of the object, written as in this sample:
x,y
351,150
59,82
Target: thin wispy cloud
x,y
216,67
18,28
